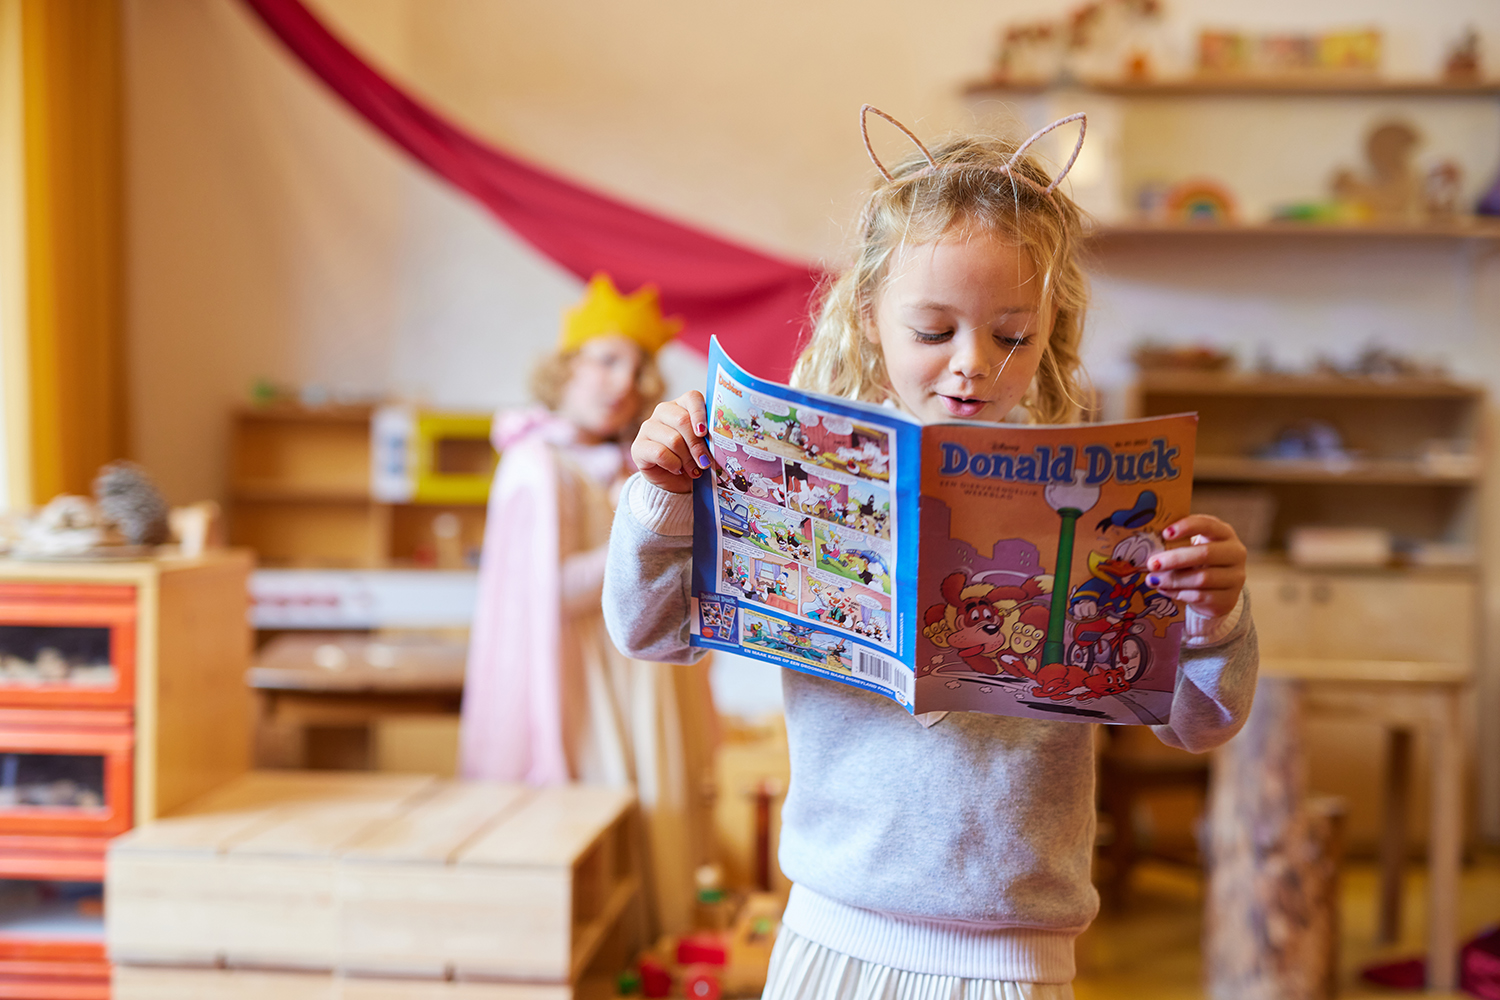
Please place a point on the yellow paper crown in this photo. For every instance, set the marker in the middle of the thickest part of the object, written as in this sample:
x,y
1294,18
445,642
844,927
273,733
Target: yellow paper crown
x,y
605,311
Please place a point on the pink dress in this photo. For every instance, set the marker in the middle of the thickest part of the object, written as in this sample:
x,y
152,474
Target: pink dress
x,y
547,698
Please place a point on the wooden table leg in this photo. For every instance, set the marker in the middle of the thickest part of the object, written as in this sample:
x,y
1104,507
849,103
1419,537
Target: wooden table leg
x,y
1444,841
1393,831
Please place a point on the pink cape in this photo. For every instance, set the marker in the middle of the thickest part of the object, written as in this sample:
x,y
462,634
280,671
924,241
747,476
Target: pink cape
x,y
513,703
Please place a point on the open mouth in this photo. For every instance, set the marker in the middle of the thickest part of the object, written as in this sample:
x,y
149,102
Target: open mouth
x,y
962,407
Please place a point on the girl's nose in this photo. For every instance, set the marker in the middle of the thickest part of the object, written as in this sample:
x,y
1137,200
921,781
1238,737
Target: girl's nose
x,y
971,357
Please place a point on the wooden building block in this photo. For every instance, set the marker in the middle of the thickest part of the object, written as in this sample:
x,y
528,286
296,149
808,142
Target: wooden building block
x,y
247,874
381,876
169,983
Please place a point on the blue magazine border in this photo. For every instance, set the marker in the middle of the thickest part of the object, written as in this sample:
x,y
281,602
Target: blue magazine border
x,y
905,481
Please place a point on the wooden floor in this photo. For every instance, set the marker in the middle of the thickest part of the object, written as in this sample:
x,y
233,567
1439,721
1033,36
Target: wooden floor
x,y
1150,949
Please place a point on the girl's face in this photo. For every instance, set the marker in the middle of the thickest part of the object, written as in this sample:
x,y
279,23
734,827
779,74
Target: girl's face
x,y
600,397
962,326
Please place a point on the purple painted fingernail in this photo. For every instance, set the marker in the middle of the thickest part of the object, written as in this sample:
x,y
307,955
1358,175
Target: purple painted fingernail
x,y
703,461
1153,580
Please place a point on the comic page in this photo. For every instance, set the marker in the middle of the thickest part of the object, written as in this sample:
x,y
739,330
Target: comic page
x,y
1033,591
797,547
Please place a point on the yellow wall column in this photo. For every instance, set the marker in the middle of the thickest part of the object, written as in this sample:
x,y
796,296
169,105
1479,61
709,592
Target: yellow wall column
x,y
71,70
15,399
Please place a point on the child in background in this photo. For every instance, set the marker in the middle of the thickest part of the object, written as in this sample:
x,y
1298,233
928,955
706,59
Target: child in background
x,y
548,699
946,855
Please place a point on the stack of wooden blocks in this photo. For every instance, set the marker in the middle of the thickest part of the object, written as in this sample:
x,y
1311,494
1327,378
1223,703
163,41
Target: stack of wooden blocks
x,y
347,885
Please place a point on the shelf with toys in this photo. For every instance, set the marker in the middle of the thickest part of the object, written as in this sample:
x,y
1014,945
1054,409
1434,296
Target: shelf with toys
x,y
359,486
1182,142
1467,228
1246,86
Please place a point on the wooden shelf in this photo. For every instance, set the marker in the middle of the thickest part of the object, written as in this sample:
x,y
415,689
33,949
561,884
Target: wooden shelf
x,y
1307,86
275,493
1232,468
1464,229
304,415
1206,383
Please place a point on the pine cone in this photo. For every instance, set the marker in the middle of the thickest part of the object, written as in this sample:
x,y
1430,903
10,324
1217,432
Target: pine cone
x,y
130,501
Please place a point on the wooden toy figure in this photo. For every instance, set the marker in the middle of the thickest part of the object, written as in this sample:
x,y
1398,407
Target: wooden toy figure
x,y
547,697
1392,192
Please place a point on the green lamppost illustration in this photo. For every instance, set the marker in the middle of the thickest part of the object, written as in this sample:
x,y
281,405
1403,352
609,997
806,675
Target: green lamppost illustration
x,y
1071,501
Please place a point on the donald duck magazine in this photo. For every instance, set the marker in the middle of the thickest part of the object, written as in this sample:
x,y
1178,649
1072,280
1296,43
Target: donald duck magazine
x,y
950,567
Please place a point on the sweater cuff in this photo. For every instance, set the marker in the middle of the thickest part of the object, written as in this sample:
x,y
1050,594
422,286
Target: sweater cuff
x,y
659,510
1200,631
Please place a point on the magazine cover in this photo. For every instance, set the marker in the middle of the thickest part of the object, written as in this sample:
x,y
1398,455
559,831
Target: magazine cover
x,y
849,541
1033,589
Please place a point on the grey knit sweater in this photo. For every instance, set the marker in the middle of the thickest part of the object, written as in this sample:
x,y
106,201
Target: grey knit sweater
x,y
957,848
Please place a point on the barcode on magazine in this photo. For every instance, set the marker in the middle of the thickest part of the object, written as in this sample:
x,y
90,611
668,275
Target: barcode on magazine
x,y
883,670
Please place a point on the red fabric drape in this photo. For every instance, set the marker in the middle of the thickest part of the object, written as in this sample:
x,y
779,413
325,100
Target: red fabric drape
x,y
756,304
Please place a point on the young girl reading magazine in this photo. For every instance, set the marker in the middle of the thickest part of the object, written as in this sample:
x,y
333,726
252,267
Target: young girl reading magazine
x,y
945,855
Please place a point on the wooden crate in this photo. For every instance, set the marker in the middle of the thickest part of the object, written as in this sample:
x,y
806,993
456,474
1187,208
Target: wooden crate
x,y
379,876
162,983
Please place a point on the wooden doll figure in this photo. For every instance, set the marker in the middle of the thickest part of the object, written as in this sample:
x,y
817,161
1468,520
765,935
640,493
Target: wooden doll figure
x,y
547,697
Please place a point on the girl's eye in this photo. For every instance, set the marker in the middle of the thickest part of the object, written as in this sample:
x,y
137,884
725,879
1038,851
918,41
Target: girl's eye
x,y
932,336
1013,341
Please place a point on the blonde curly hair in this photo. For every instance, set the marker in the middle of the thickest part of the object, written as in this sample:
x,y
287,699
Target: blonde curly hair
x,y
967,191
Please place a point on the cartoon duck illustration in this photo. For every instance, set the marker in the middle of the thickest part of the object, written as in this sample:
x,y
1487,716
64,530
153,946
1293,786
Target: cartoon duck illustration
x,y
1118,578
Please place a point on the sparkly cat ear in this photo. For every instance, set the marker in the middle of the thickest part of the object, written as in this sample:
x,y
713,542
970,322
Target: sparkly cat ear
x,y
1083,127
1080,117
864,131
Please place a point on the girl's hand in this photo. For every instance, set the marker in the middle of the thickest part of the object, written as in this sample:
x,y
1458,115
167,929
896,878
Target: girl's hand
x,y
670,450
1206,575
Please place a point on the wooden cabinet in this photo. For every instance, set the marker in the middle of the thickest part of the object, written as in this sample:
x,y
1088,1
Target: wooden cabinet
x,y
300,493
122,696
1420,616
1411,468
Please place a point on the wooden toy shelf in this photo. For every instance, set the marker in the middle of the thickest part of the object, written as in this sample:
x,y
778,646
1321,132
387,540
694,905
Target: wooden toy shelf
x,y
121,697
1386,472
1336,615
300,496
1462,229
1386,424
1249,86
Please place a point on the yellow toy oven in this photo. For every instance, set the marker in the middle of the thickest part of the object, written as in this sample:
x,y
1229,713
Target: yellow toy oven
x,y
430,456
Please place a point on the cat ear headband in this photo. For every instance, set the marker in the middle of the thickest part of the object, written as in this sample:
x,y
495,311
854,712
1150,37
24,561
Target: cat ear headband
x,y
932,164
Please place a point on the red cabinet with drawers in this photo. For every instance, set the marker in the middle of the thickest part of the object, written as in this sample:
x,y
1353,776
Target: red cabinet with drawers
x,y
121,696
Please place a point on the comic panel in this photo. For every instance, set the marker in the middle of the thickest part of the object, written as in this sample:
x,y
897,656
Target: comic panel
x,y
750,471
796,641
852,555
761,577
838,603
799,432
844,500
771,529
847,446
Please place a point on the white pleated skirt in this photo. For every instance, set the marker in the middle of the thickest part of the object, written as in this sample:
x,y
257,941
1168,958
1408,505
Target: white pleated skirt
x,y
802,970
